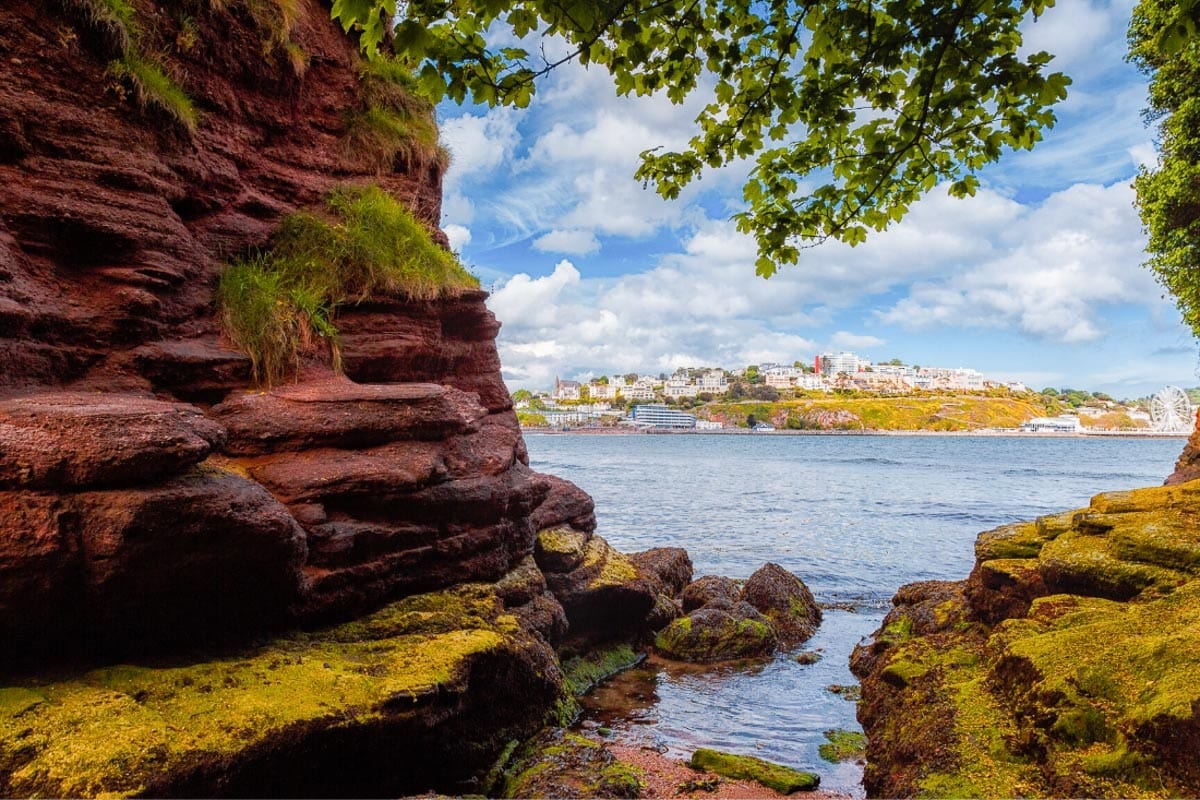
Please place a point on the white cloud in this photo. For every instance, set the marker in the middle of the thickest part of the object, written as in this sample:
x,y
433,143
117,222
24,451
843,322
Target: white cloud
x,y
853,341
458,235
1144,155
573,242
479,143
1052,272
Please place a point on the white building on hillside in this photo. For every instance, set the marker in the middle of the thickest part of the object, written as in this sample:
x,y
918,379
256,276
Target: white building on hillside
x,y
834,364
713,381
678,387
566,390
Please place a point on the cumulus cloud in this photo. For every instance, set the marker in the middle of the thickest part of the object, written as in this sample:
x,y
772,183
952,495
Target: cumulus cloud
x,y
459,236
1052,272
573,242
856,341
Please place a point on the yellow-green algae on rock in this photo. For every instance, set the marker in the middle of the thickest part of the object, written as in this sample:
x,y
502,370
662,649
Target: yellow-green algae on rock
x,y
384,693
1094,690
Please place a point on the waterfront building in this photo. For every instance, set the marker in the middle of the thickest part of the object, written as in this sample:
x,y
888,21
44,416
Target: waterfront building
x,y
654,415
708,425
1064,423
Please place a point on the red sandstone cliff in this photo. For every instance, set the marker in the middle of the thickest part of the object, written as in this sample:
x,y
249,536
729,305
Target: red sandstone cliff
x,y
332,494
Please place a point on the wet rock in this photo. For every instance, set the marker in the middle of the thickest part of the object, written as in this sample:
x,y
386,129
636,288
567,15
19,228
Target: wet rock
x,y
560,764
71,440
1058,668
671,565
714,634
523,583
565,505
785,601
708,590
545,616
605,594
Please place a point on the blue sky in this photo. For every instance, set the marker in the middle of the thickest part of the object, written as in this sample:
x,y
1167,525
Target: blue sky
x,y
1037,278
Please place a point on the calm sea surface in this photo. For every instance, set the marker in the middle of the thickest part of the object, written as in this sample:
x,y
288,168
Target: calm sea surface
x,y
854,516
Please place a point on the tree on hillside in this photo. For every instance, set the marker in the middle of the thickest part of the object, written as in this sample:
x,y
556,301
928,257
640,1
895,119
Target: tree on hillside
x,y
851,111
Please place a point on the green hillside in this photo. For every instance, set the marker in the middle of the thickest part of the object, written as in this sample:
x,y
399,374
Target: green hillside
x,y
943,413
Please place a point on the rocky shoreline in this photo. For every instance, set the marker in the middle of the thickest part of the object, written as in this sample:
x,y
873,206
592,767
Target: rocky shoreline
x,y
1064,665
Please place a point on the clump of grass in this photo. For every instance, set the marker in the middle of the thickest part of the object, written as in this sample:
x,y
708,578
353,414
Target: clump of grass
x,y
116,31
149,86
280,305
396,126
113,23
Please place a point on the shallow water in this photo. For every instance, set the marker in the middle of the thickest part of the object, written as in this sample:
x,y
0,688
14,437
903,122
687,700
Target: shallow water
x,y
854,516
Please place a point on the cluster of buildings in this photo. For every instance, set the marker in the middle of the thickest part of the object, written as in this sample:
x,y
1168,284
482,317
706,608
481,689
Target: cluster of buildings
x,y
829,371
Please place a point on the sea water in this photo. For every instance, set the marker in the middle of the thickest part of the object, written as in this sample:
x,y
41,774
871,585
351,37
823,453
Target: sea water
x,y
854,516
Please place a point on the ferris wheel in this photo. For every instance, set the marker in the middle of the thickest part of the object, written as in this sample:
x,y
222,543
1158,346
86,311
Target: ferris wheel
x,y
1170,410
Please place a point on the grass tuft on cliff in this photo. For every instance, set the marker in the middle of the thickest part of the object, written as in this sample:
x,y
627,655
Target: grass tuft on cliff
x,y
396,127
149,86
140,74
280,305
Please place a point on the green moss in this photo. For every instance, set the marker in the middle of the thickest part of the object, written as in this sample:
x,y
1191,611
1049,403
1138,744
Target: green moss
x,y
560,764
16,700
588,671
1090,565
901,673
280,305
564,545
1081,696
843,746
110,730
774,776
611,567
1017,541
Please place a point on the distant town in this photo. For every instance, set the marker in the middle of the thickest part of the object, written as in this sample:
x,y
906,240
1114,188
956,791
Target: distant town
x,y
714,399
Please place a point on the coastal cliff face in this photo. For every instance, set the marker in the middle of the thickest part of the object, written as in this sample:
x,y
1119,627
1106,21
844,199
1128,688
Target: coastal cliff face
x,y
1063,666
326,587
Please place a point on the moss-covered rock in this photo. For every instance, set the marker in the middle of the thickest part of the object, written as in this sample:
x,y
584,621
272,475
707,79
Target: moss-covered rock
x,y
714,634
1086,685
415,696
560,764
560,549
774,776
605,595
783,599
843,745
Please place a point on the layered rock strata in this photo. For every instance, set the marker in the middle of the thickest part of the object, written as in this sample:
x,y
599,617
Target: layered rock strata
x,y
279,570
1063,666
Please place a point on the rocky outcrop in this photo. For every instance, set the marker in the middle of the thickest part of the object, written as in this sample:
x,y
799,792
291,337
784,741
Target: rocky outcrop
x,y
423,692
1187,467
1063,666
275,566
772,610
